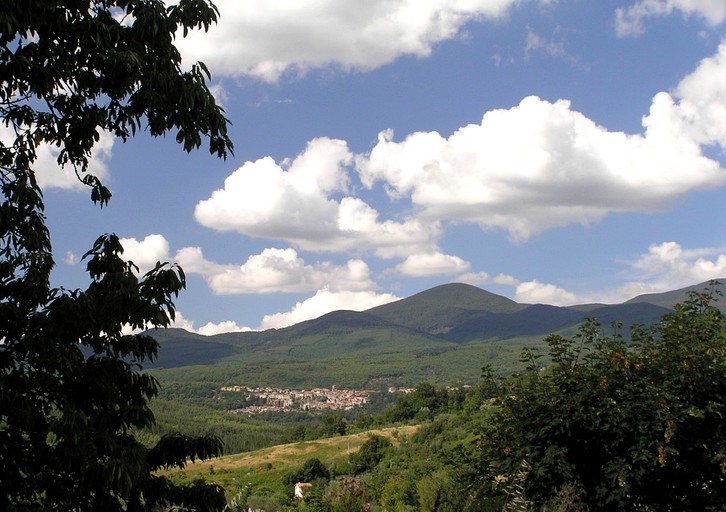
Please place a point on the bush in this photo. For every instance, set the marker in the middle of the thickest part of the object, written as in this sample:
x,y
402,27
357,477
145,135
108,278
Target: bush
x,y
370,454
313,469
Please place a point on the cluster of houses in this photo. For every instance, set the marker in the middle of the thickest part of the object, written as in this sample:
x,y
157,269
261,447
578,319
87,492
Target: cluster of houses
x,y
283,400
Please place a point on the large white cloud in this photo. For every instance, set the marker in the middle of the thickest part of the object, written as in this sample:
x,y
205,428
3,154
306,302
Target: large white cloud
x,y
266,39
298,202
432,264
629,20
265,199
326,301
276,270
703,99
525,292
541,165
535,292
525,169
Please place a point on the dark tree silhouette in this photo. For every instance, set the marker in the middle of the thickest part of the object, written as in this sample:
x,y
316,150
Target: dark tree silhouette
x,y
71,389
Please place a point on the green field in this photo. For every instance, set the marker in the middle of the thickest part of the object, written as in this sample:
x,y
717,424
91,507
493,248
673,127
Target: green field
x,y
263,471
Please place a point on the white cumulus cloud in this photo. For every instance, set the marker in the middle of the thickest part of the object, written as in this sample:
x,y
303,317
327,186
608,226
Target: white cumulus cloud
x,y
668,266
474,278
275,270
432,264
703,99
296,201
629,21
525,292
268,39
326,301
506,280
265,199
209,329
535,292
535,166
541,165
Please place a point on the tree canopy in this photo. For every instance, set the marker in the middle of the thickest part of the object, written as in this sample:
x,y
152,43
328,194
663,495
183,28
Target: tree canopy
x,y
71,389
622,426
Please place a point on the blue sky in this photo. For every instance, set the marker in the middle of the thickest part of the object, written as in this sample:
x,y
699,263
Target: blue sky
x,y
553,151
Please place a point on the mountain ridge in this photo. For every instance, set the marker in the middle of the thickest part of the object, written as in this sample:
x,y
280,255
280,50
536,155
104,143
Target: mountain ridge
x,y
440,333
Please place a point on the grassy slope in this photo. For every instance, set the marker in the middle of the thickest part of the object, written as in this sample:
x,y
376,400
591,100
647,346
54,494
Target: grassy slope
x,y
269,466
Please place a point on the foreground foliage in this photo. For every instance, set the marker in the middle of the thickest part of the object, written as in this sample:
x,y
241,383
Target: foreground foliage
x,y
629,426
71,390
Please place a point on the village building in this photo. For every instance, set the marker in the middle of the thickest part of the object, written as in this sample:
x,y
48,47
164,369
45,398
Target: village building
x,y
300,489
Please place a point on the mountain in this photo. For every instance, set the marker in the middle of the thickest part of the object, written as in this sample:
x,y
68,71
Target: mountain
x,y
441,335
669,299
442,308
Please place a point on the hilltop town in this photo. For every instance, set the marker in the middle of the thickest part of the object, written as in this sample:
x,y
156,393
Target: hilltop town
x,y
284,400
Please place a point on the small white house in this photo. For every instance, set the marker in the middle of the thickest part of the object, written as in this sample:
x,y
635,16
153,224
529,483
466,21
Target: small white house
x,y
300,489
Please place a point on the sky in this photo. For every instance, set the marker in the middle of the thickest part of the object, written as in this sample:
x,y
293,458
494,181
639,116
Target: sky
x,y
551,151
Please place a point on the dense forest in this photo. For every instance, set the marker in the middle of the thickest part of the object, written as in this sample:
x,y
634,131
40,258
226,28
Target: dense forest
x,y
593,422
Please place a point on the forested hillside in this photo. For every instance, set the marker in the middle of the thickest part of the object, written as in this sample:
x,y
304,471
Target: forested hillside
x,y
442,335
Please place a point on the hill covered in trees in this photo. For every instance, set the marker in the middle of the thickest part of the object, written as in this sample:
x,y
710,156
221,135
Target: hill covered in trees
x,y
442,335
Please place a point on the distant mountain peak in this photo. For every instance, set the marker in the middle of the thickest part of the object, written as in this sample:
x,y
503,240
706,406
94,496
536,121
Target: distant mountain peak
x,y
455,295
419,332
470,297
436,310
